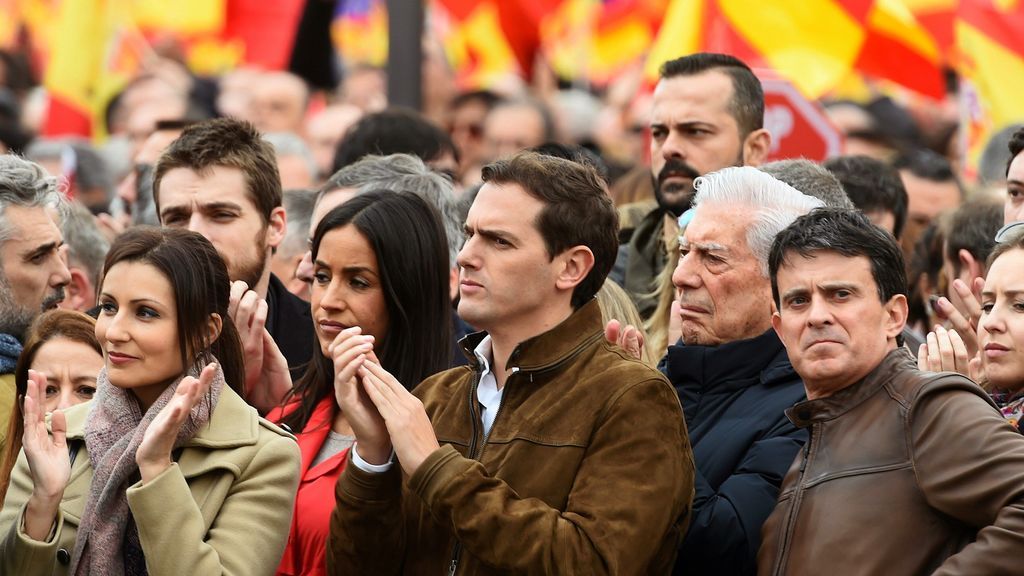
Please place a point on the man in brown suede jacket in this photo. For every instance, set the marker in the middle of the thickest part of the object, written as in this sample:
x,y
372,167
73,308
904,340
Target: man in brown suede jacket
x,y
905,472
555,452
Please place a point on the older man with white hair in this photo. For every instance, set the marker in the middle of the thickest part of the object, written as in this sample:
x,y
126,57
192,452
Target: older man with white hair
x,y
730,369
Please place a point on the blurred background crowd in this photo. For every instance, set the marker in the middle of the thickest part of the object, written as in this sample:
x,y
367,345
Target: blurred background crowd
x,y
95,90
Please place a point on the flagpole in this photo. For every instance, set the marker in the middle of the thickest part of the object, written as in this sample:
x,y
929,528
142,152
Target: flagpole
x,y
405,53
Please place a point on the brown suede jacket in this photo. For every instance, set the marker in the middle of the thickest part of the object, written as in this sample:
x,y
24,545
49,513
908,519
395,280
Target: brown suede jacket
x,y
905,472
587,470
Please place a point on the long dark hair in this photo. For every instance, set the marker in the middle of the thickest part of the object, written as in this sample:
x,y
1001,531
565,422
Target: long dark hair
x,y
199,278
409,242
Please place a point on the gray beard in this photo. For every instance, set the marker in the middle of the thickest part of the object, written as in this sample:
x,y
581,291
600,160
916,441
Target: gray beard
x,y
14,318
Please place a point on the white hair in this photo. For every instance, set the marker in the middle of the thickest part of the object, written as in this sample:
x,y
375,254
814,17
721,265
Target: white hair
x,y
775,204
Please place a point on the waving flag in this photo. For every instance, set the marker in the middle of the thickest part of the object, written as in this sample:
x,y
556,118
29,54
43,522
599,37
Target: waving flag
x,y
600,39
815,44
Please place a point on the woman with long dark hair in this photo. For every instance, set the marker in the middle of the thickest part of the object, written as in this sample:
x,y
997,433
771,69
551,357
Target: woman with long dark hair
x,y
380,268
168,471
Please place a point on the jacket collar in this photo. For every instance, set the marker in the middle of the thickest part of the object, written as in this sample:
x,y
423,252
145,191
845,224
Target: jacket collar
x,y
234,423
808,412
732,365
550,348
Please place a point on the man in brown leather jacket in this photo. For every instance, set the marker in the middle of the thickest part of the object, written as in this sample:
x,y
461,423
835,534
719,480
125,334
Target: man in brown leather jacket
x,y
555,452
905,472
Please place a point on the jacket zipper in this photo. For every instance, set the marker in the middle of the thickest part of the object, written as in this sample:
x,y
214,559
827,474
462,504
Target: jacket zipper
x,y
453,565
794,507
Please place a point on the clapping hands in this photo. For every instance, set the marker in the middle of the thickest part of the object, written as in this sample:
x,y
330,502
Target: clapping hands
x,y
154,453
48,461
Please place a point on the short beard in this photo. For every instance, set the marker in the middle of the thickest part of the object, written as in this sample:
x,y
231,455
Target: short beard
x,y
251,271
14,318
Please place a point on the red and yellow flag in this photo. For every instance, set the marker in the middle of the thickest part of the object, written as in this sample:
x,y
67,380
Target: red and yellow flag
x,y
815,44
990,55
599,39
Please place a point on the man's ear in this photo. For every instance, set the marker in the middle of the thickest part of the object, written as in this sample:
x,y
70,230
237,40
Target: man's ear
x,y
896,315
756,147
969,265
577,262
277,227
80,293
213,328
777,323
453,283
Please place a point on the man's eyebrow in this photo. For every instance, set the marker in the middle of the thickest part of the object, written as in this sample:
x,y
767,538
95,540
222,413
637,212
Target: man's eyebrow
x,y
43,249
703,246
493,233
498,234
221,205
839,285
801,291
175,210
682,124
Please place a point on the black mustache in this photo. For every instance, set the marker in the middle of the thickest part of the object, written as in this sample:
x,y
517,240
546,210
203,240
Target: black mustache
x,y
675,167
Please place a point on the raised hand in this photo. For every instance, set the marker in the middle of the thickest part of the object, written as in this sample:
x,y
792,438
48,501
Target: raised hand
x,y
49,464
274,382
407,422
154,453
964,321
262,365
944,351
349,351
628,337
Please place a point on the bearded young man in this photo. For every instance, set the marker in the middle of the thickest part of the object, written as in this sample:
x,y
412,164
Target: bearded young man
x,y
708,114
220,179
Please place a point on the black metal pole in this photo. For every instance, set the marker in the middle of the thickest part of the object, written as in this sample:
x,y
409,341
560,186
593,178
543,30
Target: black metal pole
x,y
405,53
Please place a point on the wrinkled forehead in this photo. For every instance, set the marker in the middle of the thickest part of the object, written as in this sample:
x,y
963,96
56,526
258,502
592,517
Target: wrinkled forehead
x,y
722,225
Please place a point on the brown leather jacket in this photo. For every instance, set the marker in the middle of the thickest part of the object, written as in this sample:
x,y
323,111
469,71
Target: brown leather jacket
x,y
587,470
905,472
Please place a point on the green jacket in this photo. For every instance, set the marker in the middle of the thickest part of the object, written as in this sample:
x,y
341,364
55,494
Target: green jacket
x,y
646,258
224,507
587,470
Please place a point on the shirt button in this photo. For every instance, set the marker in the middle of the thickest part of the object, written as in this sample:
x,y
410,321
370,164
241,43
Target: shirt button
x,y
63,556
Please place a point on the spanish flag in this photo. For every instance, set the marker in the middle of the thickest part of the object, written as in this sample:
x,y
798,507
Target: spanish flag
x,y
815,44
75,66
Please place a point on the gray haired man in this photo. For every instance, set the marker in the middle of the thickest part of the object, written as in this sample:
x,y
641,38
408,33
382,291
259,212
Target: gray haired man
x,y
32,268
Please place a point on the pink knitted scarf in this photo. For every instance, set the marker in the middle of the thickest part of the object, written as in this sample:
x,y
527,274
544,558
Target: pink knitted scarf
x,y
114,429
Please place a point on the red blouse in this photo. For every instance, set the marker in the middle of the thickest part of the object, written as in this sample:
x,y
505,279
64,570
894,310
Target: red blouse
x,y
306,553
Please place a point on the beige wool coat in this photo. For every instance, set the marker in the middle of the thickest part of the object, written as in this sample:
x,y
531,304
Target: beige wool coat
x,y
224,507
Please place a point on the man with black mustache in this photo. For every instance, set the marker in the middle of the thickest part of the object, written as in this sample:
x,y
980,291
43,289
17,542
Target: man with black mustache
x,y
708,114
33,272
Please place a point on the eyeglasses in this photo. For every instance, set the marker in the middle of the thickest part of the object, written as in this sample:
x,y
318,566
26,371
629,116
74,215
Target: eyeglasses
x,y
1006,232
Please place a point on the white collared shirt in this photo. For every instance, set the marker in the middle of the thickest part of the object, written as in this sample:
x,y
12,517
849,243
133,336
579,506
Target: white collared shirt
x,y
487,392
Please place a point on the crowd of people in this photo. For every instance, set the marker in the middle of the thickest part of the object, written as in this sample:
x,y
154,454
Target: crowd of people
x,y
508,334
